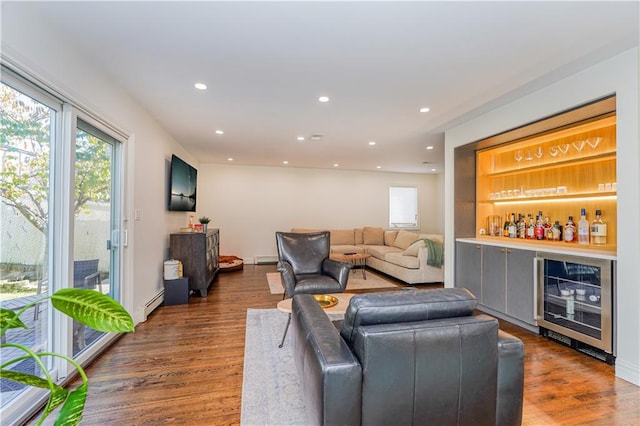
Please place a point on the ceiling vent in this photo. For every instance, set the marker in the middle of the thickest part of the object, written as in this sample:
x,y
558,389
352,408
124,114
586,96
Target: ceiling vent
x,y
426,162
316,137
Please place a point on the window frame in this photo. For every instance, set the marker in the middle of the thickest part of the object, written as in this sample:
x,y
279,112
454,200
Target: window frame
x,y
393,215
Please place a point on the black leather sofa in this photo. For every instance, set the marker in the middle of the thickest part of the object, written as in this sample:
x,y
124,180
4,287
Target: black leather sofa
x,y
408,357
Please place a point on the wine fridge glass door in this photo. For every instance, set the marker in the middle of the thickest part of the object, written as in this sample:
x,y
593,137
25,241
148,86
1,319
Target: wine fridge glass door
x,y
575,298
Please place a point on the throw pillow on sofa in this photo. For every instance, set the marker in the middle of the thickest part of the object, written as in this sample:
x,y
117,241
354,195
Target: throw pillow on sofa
x,y
405,239
373,236
341,237
413,249
390,237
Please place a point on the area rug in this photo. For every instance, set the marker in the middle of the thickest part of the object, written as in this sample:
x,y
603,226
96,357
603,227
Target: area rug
x,y
355,282
271,392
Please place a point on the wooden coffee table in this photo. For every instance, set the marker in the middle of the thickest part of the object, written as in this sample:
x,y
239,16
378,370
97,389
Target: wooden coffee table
x,y
339,308
358,260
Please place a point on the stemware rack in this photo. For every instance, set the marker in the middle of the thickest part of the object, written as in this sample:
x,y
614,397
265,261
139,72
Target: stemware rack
x,y
557,172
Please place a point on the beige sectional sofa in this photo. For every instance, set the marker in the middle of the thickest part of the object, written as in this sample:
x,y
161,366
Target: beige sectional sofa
x,y
400,254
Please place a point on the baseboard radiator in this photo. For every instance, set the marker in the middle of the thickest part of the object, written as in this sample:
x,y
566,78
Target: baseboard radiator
x,y
265,260
154,303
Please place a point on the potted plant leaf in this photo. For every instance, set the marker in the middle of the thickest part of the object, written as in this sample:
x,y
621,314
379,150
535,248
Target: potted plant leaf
x,y
204,220
89,307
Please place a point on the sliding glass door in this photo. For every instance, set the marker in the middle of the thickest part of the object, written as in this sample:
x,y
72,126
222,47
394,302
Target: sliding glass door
x,y
28,132
60,221
96,219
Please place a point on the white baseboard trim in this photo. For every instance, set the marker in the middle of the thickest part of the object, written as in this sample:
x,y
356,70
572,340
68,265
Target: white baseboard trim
x,y
628,371
265,260
152,304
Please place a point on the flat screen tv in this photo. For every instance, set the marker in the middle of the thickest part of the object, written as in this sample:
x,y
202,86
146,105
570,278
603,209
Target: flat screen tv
x,y
182,186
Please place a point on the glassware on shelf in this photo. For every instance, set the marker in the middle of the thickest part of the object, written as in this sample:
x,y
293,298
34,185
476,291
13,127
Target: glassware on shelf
x,y
539,152
564,148
593,142
578,145
518,156
553,151
528,156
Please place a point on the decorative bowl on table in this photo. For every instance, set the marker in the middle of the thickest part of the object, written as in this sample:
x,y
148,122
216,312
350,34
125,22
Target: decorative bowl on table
x,y
325,300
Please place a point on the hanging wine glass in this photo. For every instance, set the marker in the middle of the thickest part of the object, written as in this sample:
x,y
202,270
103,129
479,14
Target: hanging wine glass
x,y
593,142
518,156
539,152
564,148
553,151
578,145
528,156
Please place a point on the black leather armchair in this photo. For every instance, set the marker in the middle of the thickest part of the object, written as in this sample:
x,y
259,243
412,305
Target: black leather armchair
x,y
305,266
405,358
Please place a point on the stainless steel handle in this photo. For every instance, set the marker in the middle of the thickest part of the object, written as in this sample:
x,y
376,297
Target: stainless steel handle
x,y
503,250
536,262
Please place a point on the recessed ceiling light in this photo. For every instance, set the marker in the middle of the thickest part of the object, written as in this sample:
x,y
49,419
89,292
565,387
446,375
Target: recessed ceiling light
x,y
335,164
300,138
323,99
424,109
433,170
285,162
219,132
200,86
372,143
378,167
230,159
430,147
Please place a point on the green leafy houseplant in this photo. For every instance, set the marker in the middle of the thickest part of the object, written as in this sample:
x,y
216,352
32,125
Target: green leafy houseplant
x,y
204,220
89,307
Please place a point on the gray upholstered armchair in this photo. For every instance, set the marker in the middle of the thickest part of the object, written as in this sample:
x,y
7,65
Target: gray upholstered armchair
x,y
305,266
409,357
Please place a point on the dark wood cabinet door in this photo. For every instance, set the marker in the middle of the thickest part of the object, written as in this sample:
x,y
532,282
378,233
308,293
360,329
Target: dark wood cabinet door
x,y
198,253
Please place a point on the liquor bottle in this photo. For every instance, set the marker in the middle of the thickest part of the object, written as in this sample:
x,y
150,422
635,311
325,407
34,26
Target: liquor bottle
x,y
539,231
583,228
531,229
505,229
598,230
513,228
548,229
570,231
522,227
556,231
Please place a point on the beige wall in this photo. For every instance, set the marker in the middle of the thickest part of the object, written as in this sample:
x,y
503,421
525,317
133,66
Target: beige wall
x,y
250,203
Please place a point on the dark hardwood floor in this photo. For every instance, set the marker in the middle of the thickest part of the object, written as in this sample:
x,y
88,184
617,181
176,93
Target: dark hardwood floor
x,y
184,366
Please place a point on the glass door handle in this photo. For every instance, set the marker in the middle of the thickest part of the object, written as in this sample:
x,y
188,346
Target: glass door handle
x,y
114,242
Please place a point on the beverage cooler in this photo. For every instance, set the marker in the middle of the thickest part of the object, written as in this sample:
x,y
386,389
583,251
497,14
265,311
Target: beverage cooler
x,y
575,302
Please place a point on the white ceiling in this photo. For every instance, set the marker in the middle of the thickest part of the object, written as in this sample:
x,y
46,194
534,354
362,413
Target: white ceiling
x,y
266,63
